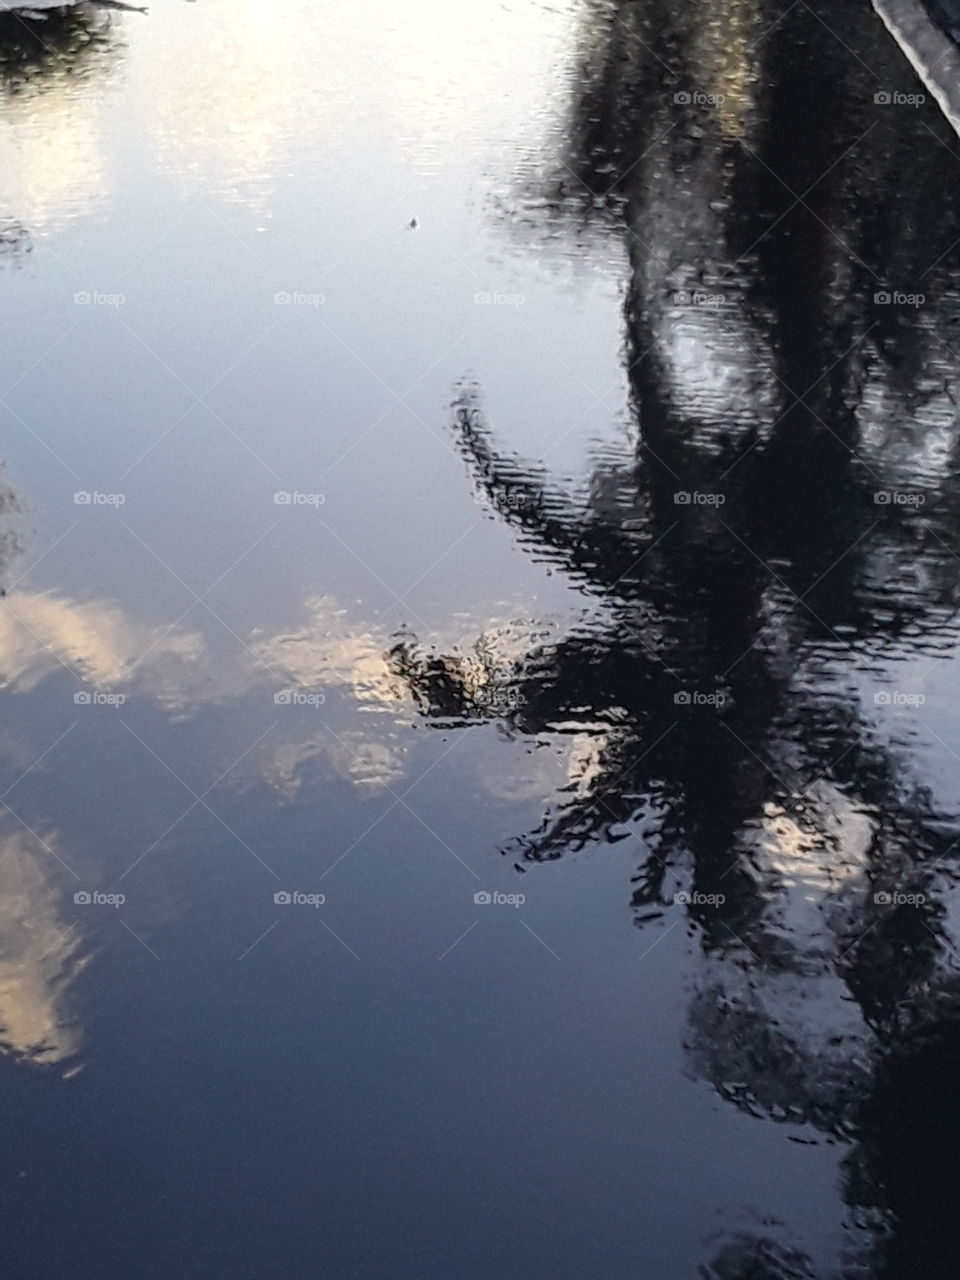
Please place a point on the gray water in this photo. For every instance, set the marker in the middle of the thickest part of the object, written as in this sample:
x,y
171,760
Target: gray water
x,y
480,538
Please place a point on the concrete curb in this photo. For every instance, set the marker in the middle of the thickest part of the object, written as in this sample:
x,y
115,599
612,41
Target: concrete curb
x,y
933,55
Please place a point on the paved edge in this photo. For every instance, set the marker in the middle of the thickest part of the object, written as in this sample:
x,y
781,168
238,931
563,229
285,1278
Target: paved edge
x,y
931,53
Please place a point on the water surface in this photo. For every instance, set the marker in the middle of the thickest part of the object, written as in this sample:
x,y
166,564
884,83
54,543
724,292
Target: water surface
x,y
492,469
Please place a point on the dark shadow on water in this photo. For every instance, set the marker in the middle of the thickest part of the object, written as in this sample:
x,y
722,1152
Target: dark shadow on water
x,y
37,49
785,531
46,58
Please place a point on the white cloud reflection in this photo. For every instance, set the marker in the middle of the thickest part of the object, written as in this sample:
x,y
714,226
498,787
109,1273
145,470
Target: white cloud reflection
x,y
43,632
46,636
39,955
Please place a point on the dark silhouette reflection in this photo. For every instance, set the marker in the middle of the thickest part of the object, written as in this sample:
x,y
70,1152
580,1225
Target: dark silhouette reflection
x,y
50,62
908,1162
37,47
749,1258
15,242
786,530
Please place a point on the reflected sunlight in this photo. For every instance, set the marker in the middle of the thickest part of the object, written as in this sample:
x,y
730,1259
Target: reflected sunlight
x,y
52,110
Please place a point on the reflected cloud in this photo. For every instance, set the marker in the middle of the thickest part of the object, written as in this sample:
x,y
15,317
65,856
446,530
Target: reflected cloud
x,y
370,765
41,633
44,634
331,652
551,764
39,957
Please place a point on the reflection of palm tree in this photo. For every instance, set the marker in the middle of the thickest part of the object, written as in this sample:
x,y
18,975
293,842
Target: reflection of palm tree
x,y
907,1164
759,189
696,614
689,585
